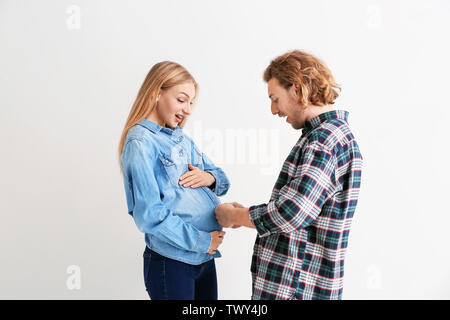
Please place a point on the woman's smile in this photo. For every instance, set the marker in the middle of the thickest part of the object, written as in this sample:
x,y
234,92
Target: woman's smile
x,y
178,118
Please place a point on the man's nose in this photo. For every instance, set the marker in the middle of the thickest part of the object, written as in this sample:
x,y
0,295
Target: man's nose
x,y
273,109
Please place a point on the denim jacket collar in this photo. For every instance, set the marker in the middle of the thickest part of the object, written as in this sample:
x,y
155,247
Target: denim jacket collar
x,y
155,128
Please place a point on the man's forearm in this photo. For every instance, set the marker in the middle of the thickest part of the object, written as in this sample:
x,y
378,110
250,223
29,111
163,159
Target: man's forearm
x,y
242,217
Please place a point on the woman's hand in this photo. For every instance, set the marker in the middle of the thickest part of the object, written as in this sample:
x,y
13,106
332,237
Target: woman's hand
x,y
216,241
196,177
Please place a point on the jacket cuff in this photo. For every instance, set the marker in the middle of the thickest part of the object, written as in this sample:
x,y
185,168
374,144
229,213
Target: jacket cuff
x,y
221,186
204,242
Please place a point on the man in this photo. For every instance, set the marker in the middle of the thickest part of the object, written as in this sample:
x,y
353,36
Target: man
x,y
303,230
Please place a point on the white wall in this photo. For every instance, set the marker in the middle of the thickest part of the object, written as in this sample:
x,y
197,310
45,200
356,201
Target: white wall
x,y
70,71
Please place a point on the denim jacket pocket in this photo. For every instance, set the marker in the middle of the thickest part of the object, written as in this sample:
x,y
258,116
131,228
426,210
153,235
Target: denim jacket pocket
x,y
171,169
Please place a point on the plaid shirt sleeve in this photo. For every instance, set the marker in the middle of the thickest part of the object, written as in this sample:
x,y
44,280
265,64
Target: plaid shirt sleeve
x,y
300,201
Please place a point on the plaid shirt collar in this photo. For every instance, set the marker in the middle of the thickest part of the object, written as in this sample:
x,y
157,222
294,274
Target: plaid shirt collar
x,y
316,121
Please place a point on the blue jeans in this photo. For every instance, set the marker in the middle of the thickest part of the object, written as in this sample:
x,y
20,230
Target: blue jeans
x,y
168,279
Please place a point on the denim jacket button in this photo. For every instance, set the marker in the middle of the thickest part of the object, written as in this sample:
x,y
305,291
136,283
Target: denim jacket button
x,y
181,153
180,139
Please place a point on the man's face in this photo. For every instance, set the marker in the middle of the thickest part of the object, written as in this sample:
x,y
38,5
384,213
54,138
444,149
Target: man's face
x,y
285,103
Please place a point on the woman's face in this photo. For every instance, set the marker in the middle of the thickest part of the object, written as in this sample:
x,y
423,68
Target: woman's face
x,y
175,104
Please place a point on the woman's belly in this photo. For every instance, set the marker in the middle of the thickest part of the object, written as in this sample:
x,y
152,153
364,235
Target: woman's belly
x,y
195,206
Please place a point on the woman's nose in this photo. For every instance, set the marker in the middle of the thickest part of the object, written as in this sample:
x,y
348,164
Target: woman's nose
x,y
187,109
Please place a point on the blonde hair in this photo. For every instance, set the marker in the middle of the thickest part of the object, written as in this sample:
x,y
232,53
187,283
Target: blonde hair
x,y
316,83
163,75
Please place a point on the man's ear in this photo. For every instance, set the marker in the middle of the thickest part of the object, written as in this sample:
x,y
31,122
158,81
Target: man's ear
x,y
295,90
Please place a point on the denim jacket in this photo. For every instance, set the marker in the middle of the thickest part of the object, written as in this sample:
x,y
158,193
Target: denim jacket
x,y
176,220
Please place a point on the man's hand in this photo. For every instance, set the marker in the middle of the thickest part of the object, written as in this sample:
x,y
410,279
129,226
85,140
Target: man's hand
x,y
236,205
224,214
233,215
196,177
216,241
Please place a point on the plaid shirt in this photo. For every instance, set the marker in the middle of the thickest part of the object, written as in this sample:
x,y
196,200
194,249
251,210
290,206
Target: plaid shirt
x,y
303,230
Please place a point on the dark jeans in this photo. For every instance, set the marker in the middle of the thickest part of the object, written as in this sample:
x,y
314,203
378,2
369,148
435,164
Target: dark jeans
x,y
168,279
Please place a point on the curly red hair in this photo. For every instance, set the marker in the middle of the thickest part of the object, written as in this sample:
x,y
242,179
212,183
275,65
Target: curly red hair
x,y
316,83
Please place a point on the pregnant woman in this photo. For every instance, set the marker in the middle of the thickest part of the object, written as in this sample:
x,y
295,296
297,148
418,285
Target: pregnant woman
x,y
172,188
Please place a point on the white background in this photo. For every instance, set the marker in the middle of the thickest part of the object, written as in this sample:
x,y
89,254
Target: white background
x,y
70,71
